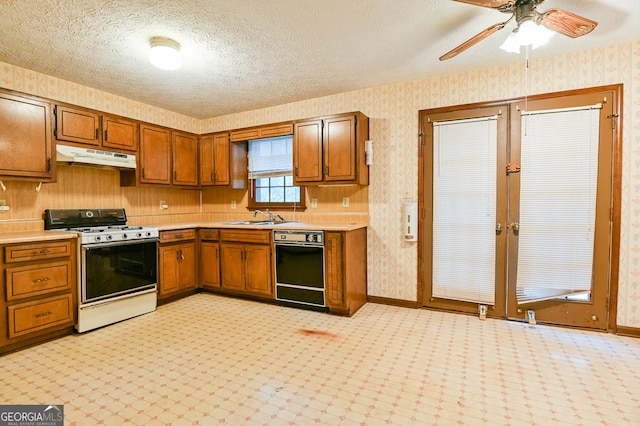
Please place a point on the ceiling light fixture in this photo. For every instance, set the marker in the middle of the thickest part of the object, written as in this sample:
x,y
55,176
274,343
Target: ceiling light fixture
x,y
528,33
165,53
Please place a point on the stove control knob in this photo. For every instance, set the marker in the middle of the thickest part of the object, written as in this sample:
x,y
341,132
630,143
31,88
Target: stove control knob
x,y
98,238
109,237
139,235
125,236
148,234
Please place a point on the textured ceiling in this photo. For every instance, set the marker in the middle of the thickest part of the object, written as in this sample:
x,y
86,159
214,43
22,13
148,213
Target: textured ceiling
x,y
240,55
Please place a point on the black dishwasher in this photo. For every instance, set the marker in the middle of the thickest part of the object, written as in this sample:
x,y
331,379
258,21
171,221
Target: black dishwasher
x,y
299,266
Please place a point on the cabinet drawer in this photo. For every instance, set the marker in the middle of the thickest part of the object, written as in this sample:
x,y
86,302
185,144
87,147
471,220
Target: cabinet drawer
x,y
245,236
29,317
210,234
26,252
179,235
34,280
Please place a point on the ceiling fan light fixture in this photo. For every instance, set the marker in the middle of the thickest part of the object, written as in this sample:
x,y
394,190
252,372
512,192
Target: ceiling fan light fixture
x,y
511,43
165,53
528,33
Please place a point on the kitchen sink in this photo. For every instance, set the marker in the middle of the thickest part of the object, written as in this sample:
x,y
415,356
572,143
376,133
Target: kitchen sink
x,y
254,222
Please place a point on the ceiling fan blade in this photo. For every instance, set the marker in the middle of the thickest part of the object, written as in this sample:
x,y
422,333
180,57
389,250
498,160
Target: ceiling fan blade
x,y
567,23
473,40
493,4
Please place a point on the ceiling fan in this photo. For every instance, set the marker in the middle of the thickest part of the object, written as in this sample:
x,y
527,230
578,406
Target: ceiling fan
x,y
525,12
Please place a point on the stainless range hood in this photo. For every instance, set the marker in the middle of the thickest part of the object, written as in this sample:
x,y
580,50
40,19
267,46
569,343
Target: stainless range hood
x,y
95,157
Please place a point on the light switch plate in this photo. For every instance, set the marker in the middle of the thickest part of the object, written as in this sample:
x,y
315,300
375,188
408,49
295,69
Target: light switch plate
x,y
314,203
345,201
233,204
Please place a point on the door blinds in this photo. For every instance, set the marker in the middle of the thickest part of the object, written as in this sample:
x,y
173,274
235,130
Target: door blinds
x,y
558,177
464,209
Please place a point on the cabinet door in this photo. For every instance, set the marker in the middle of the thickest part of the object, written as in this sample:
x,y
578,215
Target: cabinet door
x,y
155,155
187,263
120,133
258,269
169,270
307,151
221,159
214,159
185,159
232,266
76,125
25,138
334,280
210,264
207,159
340,148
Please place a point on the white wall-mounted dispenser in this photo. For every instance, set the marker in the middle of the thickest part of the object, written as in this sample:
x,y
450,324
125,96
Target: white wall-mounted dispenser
x,y
368,152
410,221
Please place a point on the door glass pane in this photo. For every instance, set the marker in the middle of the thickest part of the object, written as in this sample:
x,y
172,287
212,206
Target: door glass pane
x,y
464,210
558,177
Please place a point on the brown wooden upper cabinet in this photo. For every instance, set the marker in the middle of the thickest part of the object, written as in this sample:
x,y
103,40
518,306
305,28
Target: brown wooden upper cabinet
x,y
84,127
155,155
119,133
185,159
214,159
331,150
25,138
268,131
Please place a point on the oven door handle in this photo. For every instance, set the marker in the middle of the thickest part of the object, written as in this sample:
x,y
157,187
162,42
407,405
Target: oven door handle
x,y
297,244
119,243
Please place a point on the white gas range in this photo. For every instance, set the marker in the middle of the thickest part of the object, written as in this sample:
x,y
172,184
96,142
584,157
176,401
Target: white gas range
x,y
117,264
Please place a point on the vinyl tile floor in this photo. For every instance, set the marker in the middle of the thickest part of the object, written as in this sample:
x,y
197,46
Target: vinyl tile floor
x,y
209,360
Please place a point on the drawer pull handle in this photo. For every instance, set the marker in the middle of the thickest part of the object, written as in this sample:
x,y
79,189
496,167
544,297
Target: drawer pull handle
x,y
44,314
41,280
37,253
179,236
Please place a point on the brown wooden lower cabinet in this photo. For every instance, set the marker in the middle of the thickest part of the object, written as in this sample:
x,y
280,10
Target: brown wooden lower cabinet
x,y
39,297
209,258
177,263
245,262
345,271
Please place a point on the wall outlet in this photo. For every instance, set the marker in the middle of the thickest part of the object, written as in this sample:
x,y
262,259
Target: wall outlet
x,y
233,204
3,206
314,203
345,201
3,202
163,205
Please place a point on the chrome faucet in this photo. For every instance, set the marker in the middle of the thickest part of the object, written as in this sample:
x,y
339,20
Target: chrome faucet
x,y
268,214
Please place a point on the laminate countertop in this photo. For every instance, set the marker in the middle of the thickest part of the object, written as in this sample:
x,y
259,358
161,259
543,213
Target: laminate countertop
x,y
275,225
35,236
43,236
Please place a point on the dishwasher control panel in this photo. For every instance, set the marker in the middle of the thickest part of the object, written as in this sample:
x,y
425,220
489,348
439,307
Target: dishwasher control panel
x,y
296,236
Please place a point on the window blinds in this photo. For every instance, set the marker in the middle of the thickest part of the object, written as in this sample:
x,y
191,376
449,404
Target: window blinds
x,y
558,177
464,209
270,157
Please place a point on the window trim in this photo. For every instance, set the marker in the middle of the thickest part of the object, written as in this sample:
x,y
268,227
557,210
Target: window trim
x,y
253,205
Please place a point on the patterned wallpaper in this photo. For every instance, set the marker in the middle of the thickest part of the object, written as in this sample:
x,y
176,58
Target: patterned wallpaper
x,y
393,112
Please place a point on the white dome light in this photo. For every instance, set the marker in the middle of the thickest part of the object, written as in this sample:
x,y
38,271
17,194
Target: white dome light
x,y
165,53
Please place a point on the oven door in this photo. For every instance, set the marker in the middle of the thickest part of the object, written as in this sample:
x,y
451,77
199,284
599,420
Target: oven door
x,y
118,268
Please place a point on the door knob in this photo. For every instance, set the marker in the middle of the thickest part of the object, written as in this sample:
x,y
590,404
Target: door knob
x,y
515,226
498,227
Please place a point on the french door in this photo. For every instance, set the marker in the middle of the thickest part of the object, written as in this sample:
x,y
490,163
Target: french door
x,y
518,208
